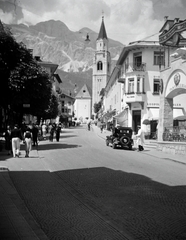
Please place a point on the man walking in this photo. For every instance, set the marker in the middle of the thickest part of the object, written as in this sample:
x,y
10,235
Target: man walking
x,y
140,139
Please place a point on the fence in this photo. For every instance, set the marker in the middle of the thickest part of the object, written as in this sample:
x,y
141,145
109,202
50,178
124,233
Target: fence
x,y
175,134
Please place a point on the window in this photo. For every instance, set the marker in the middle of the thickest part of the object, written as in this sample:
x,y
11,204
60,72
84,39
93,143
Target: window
x,y
63,103
159,58
138,85
156,86
131,85
137,59
99,65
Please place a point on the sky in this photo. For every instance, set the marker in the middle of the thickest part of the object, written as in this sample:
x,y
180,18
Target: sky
x,y
125,20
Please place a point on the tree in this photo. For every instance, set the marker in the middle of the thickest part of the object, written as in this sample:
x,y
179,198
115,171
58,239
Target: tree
x,y
23,81
97,106
52,111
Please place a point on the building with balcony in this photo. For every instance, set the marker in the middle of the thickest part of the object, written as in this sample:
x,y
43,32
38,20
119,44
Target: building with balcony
x,y
137,75
66,105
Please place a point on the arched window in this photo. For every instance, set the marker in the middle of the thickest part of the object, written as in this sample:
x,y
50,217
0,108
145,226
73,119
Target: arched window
x,y
99,65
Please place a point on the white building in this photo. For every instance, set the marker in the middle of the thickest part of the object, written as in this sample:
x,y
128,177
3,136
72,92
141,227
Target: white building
x,y
82,105
133,90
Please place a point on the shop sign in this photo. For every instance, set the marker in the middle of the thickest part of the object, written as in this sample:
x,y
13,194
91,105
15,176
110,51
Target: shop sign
x,y
178,80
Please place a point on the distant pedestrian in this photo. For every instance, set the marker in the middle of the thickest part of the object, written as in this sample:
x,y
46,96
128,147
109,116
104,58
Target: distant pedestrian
x,y
44,130
35,132
101,127
58,130
140,139
28,141
52,131
8,143
16,137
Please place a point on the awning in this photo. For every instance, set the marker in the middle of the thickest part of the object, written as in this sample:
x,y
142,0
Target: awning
x,y
122,118
153,114
177,112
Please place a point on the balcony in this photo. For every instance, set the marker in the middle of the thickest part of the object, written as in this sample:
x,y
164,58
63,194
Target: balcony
x,y
133,67
134,97
121,79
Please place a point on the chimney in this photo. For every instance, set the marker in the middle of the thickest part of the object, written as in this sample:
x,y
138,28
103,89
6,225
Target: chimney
x,y
165,18
176,20
37,58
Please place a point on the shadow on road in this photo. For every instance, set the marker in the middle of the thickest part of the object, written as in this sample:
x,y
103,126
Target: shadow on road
x,y
102,204
56,145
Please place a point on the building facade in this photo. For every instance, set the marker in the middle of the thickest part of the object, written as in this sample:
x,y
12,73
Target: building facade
x,y
82,104
137,75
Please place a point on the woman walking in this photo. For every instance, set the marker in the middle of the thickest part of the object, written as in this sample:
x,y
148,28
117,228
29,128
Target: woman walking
x,y
16,137
28,141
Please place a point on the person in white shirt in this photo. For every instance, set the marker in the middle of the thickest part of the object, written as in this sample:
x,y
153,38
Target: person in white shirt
x,y
140,139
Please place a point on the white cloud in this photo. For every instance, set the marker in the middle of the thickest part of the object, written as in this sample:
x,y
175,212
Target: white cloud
x,y
125,20
7,18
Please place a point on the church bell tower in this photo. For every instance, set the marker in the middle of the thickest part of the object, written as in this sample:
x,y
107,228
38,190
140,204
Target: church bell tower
x,y
101,65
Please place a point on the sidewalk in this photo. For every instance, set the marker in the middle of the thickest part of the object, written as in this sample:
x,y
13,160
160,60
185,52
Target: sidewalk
x,y
149,144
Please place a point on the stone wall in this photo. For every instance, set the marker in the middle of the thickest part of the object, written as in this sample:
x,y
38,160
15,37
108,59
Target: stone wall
x,y
172,147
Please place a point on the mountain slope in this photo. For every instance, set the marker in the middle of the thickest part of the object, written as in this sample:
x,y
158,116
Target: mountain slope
x,y
54,42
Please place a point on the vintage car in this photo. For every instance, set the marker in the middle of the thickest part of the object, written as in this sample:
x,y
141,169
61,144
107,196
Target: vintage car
x,y
121,137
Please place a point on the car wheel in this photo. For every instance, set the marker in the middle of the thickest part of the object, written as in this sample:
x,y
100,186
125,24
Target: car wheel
x,y
124,140
113,145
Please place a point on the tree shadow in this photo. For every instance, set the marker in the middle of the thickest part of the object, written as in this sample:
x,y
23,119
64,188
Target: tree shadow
x,y
102,201
56,145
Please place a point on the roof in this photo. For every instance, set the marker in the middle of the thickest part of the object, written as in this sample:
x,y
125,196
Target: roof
x,y
58,78
84,93
135,45
102,32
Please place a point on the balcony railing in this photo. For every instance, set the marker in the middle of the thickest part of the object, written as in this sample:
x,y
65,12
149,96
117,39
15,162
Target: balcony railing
x,y
131,67
134,97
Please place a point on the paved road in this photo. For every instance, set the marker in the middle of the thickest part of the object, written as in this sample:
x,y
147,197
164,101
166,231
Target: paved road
x,y
81,189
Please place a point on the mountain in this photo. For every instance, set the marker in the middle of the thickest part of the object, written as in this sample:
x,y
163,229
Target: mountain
x,y
53,41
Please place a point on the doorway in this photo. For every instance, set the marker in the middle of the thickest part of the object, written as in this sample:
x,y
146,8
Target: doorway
x,y
136,119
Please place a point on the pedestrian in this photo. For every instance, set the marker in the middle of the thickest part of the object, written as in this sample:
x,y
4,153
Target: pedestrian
x,y
44,128
101,127
140,138
88,125
28,141
52,130
35,132
8,144
58,130
16,138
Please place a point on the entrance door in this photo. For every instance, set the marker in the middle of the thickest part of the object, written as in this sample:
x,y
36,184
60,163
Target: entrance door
x,y
136,119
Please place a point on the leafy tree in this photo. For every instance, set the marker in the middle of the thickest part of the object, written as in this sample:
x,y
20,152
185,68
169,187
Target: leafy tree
x,y
23,80
52,111
97,106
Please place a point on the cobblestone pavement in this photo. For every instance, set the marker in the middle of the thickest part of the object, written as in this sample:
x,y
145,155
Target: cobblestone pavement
x,y
86,204
101,203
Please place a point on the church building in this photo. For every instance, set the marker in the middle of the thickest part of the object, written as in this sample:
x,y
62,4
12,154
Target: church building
x,y
101,65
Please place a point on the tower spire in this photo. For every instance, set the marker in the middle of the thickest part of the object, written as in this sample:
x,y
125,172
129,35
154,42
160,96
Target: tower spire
x,y
102,32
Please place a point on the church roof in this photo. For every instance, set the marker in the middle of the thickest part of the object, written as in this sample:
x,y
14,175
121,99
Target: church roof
x,y
102,31
84,93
